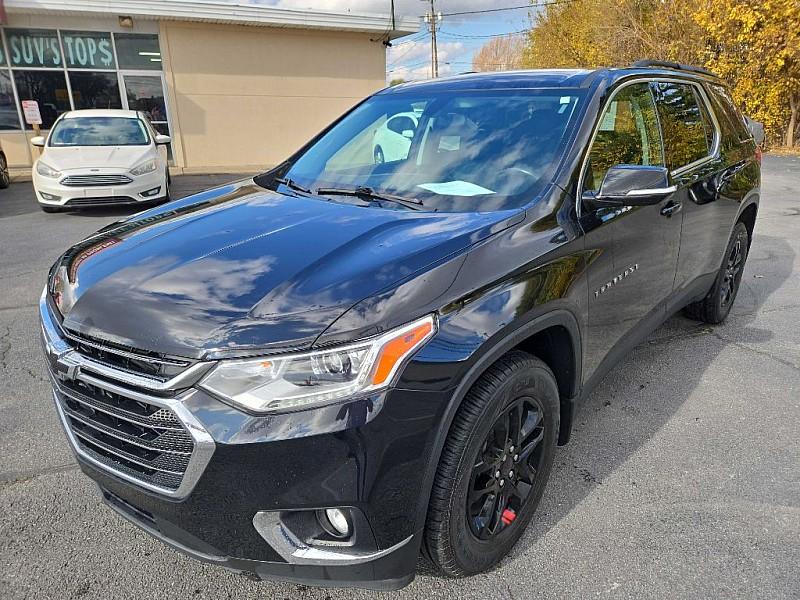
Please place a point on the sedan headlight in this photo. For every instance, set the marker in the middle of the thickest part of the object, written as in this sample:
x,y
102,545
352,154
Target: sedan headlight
x,y
47,170
298,381
147,166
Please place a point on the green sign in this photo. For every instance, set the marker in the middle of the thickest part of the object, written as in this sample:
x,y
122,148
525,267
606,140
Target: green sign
x,y
88,50
33,48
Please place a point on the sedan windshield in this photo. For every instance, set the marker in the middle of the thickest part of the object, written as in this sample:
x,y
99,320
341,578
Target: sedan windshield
x,y
445,151
99,131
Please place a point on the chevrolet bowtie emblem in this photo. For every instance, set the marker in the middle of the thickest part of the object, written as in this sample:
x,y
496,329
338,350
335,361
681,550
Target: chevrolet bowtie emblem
x,y
66,369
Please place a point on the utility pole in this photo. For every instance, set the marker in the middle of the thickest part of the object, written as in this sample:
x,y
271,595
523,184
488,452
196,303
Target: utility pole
x,y
433,19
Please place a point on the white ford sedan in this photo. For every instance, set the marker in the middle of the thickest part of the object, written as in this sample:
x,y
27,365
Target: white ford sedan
x,y
100,158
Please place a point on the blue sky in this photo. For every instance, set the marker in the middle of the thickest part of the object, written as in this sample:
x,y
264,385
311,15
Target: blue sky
x,y
409,58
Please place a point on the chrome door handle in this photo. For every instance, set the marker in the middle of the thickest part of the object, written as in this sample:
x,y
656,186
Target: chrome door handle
x,y
671,209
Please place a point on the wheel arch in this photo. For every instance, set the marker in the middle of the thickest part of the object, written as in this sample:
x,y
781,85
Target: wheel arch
x,y
748,216
554,338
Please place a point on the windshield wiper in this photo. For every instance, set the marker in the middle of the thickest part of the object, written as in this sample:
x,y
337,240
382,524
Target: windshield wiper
x,y
292,184
367,193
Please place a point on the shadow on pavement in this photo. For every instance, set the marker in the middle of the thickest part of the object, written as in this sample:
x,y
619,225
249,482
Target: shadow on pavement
x,y
601,443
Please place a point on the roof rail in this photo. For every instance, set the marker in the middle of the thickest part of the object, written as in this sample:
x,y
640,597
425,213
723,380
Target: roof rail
x,y
665,64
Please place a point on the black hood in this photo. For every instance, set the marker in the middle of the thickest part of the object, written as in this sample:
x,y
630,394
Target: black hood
x,y
243,268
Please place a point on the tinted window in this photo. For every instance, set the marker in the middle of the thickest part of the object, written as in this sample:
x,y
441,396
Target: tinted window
x,y
627,135
138,51
472,151
682,124
8,109
95,90
48,88
730,114
99,131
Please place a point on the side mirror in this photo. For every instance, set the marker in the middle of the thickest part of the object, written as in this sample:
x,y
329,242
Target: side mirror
x,y
163,139
37,141
407,133
632,185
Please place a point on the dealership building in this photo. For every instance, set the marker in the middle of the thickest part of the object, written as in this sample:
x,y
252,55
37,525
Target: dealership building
x,y
237,85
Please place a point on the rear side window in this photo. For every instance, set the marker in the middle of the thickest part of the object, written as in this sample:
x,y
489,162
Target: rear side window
x,y
684,123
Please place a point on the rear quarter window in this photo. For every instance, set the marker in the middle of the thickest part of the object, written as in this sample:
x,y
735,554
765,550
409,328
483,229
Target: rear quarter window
x,y
730,115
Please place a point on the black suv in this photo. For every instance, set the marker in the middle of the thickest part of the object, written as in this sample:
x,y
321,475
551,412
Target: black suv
x,y
318,373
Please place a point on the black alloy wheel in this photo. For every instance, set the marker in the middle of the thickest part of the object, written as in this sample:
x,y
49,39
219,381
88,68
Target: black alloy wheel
x,y
494,466
718,302
732,275
5,178
506,468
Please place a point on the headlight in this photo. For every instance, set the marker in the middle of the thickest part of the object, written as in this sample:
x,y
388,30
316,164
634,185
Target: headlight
x,y
146,167
46,170
298,381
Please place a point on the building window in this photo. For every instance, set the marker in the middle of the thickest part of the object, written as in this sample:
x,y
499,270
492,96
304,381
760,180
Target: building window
x,y
94,89
88,50
48,88
138,51
72,70
8,108
33,48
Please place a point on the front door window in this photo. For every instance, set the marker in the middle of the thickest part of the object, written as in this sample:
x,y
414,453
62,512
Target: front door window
x,y
628,135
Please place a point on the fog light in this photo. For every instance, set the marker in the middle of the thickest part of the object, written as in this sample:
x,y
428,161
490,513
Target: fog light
x,y
339,524
150,193
51,197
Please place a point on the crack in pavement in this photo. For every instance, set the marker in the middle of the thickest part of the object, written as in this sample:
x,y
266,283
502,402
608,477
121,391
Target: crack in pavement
x,y
744,346
11,478
5,346
20,307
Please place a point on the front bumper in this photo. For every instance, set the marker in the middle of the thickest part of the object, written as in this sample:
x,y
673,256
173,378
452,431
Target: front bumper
x,y
268,474
50,192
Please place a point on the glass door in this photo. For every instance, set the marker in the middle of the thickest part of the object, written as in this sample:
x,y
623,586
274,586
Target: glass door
x,y
145,92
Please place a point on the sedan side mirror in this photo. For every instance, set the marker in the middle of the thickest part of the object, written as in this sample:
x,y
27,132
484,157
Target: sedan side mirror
x,y
632,185
163,139
407,133
37,141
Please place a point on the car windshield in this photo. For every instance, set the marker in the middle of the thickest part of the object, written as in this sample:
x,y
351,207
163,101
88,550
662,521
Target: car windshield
x,y
99,131
451,151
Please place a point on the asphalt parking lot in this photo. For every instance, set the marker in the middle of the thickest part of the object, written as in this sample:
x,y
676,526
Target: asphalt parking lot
x,y
682,479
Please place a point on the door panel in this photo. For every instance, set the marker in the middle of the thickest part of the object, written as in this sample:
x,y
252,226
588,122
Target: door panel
x,y
698,159
634,248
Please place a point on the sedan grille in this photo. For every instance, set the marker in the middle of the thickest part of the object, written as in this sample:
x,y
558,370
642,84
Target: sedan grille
x,y
89,180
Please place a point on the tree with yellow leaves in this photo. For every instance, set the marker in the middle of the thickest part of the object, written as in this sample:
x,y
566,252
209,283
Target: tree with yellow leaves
x,y
753,45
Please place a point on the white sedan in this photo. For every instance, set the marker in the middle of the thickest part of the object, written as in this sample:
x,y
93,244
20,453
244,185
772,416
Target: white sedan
x,y
100,158
392,140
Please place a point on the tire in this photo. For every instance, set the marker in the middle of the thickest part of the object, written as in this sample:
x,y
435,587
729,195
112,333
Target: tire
x,y
717,303
516,383
167,184
5,179
50,209
378,155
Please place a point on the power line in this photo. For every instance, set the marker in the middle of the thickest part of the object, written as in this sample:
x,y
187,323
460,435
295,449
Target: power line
x,y
493,35
491,10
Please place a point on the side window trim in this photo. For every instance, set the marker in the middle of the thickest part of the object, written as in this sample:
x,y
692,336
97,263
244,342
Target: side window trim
x,y
649,80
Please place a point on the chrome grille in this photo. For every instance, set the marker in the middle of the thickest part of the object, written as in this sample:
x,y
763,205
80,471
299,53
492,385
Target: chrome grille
x,y
95,179
127,358
132,423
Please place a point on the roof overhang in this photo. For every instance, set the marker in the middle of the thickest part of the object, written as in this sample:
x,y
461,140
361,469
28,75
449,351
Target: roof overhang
x,y
219,11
